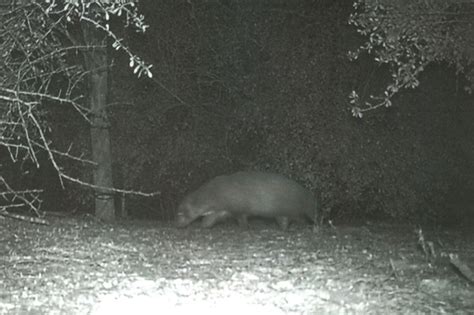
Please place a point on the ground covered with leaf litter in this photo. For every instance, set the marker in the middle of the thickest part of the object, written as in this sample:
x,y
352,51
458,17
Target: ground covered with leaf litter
x,y
79,266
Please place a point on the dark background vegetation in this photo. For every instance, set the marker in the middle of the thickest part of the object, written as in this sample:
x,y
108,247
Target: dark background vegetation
x,y
264,85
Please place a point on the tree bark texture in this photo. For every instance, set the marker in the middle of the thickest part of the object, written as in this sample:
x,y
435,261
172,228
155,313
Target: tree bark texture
x,y
96,62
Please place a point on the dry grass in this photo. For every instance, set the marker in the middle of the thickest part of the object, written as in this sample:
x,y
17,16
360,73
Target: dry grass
x,y
77,266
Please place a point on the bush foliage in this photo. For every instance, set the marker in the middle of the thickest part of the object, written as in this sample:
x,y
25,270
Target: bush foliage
x,y
264,85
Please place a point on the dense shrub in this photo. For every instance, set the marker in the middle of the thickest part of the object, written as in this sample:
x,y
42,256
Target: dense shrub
x,y
264,85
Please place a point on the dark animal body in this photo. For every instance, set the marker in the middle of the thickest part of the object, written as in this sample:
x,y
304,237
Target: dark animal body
x,y
247,194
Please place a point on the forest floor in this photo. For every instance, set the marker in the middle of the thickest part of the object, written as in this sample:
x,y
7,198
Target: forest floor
x,y
80,266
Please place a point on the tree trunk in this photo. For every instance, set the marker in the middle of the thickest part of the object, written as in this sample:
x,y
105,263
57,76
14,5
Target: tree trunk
x,y
96,62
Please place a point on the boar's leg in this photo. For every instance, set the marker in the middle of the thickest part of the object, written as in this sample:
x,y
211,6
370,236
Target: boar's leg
x,y
243,221
283,222
211,219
